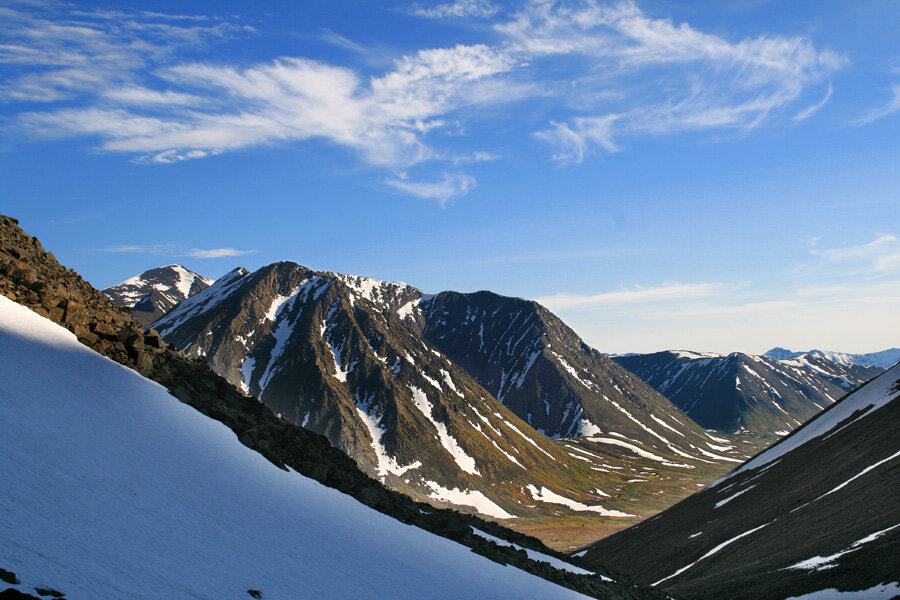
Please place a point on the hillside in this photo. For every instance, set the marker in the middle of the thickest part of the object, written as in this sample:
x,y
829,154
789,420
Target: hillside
x,y
141,496
816,511
742,391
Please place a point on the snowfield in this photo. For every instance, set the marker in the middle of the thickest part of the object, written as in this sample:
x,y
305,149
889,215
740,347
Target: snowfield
x,y
115,489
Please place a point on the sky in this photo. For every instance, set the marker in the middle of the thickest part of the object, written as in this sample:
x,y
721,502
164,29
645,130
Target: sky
x,y
703,175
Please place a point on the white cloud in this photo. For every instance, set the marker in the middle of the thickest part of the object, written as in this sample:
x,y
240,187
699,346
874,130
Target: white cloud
x,y
643,76
856,315
573,141
691,80
137,95
888,109
880,256
216,252
173,250
57,52
383,119
477,157
450,186
677,292
460,8
811,110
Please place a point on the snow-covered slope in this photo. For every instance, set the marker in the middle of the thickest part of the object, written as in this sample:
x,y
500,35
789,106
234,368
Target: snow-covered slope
x,y
816,511
155,292
884,359
737,391
115,489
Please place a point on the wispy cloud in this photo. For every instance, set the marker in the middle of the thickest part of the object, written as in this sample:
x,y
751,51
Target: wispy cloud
x,y
173,250
383,120
890,108
450,186
573,140
132,82
880,256
676,292
811,110
699,81
459,8
216,252
54,51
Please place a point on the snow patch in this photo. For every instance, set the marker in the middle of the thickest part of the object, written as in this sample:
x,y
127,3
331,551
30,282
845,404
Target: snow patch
x,y
475,499
546,495
463,460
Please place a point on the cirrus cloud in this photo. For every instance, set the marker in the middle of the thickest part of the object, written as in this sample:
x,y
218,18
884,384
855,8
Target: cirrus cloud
x,y
136,83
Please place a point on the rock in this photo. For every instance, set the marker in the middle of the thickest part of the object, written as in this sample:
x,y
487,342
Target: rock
x,y
8,577
14,594
74,314
153,339
104,330
255,594
49,592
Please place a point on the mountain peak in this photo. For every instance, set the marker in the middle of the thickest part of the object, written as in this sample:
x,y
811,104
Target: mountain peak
x,y
156,291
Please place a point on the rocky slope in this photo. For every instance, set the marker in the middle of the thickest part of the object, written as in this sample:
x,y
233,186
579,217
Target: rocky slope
x,y
816,511
742,391
884,359
364,363
153,293
539,368
32,277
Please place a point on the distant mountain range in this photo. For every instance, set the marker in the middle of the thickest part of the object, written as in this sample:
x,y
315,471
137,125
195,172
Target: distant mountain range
x,y
884,359
742,391
817,511
153,293
439,395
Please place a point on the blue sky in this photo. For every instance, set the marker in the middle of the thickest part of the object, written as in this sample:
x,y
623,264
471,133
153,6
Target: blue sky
x,y
713,176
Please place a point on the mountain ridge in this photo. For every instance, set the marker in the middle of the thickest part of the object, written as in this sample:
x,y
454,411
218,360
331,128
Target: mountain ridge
x,y
884,359
736,391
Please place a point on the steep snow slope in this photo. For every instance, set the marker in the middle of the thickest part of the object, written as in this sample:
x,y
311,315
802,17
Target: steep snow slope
x,y
818,510
743,391
116,489
155,292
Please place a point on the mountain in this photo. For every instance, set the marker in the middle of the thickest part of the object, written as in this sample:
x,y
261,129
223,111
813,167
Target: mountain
x,y
323,355
364,363
539,368
117,489
153,293
33,278
884,359
816,511
735,391
533,363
